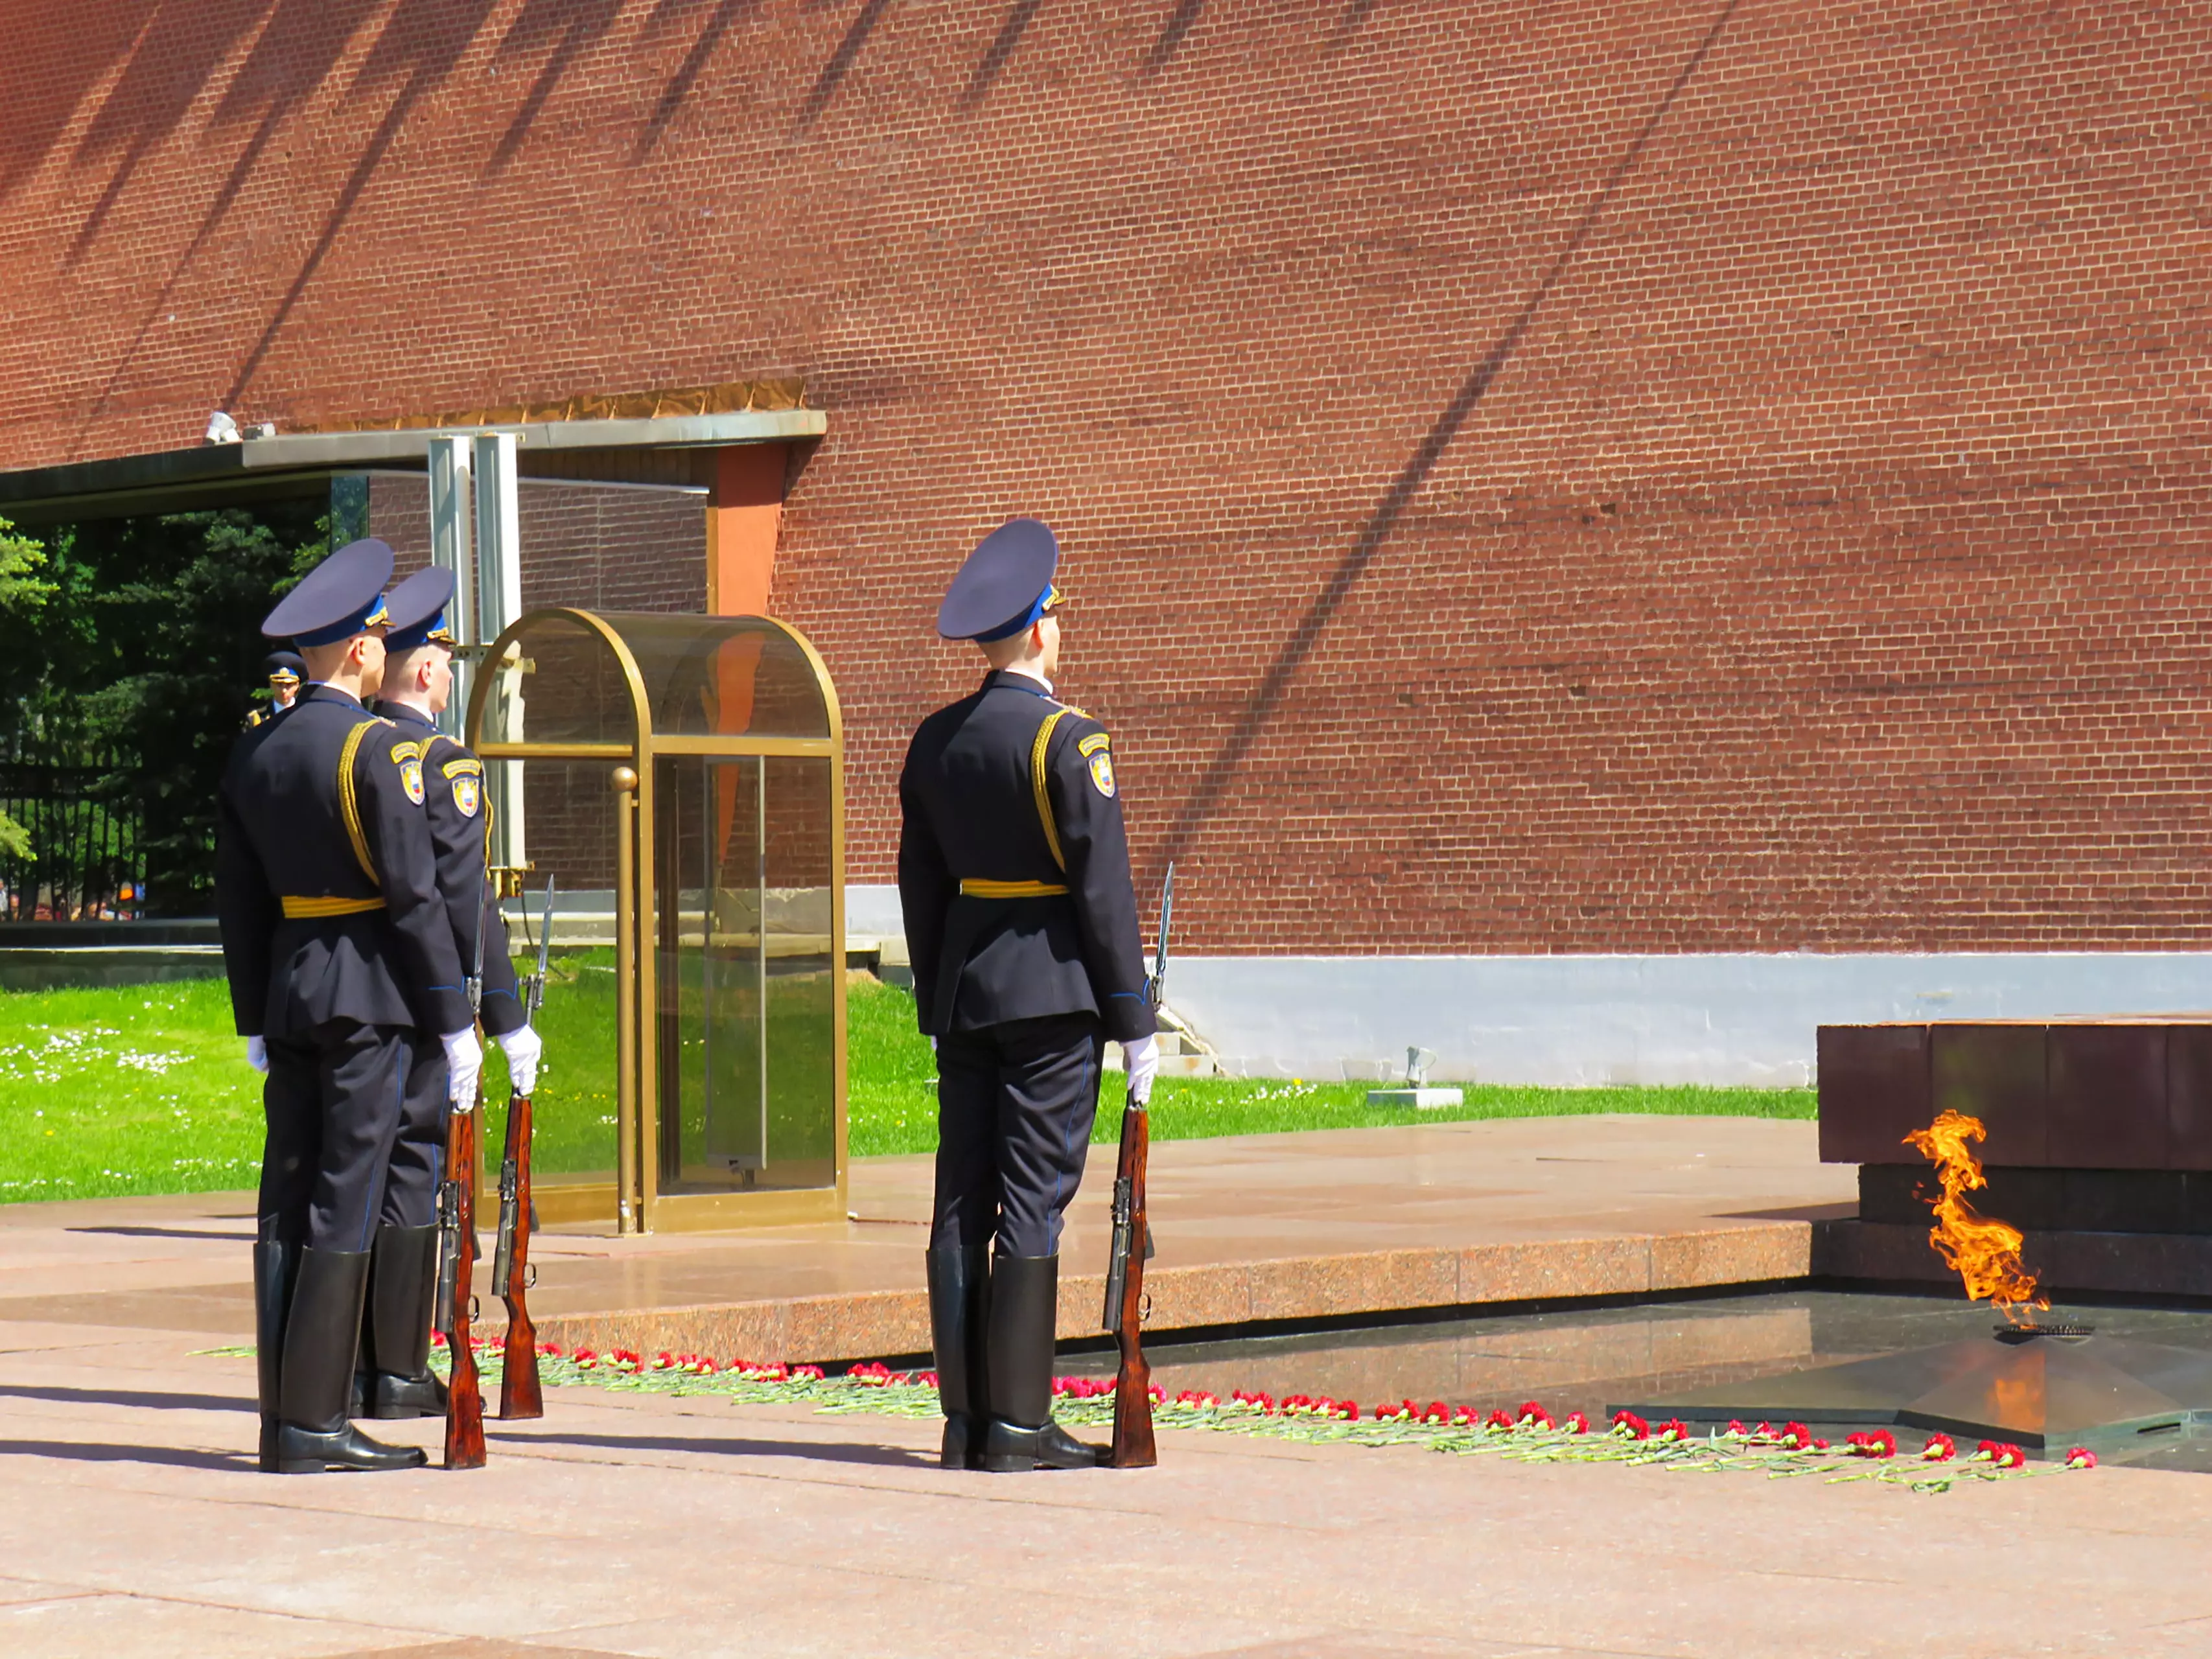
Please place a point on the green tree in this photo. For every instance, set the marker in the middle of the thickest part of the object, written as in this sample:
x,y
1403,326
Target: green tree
x,y
144,646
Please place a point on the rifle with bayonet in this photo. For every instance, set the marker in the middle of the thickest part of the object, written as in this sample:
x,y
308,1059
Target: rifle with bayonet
x,y
1133,1447
455,1300
519,1395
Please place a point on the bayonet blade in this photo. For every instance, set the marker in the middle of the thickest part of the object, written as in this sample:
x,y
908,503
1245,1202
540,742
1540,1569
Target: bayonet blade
x,y
1158,989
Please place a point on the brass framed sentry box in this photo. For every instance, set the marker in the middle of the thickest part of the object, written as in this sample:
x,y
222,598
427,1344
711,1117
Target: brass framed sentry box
x,y
681,780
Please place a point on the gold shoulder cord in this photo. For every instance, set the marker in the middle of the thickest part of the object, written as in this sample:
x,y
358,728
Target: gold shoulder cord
x,y
349,799
1036,782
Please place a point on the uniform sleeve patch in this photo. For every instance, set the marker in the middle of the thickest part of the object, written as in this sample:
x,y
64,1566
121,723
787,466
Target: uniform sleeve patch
x,y
1093,744
403,752
1102,772
468,791
411,777
453,769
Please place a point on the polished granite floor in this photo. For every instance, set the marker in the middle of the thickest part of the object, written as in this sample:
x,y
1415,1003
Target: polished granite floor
x,y
1590,1359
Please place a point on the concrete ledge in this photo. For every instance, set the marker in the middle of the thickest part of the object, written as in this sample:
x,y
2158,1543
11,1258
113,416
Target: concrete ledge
x,y
870,1324
48,970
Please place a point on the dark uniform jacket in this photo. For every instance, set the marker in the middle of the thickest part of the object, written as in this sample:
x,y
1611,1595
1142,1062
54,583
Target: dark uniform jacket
x,y
322,806
993,799
459,811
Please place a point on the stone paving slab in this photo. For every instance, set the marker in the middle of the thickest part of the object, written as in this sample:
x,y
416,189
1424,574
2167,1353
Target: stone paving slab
x,y
1293,1227
131,1523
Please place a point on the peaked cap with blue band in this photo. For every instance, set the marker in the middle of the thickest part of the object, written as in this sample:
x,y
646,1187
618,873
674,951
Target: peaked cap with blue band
x,y
340,598
418,610
1005,586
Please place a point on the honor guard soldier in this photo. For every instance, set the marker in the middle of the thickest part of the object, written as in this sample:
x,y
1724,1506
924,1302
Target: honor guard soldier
x,y
342,963
286,673
395,1374
1014,875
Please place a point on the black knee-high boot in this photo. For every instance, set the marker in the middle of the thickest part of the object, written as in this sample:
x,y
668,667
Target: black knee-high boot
x,y
320,1338
1022,1435
959,1325
275,1266
393,1379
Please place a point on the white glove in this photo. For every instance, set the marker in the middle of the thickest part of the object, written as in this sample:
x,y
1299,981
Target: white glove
x,y
464,1061
522,1048
257,1055
1142,1057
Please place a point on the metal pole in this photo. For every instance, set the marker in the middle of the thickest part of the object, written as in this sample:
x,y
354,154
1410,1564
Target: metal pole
x,y
626,1032
498,604
450,549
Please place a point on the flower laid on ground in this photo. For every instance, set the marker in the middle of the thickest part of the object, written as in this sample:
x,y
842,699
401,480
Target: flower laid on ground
x,y
2002,1452
1529,1435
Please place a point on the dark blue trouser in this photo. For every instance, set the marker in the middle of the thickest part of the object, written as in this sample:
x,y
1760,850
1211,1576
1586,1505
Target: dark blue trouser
x,y
418,1150
1014,1107
333,1100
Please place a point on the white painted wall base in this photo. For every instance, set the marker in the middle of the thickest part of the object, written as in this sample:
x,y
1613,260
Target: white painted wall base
x,y
1597,1020
1621,1019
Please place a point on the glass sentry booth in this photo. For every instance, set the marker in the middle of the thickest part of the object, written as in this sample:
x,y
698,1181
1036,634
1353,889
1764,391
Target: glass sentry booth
x,y
681,778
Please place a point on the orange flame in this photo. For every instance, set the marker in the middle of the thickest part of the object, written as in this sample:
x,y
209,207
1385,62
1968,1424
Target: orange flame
x,y
1982,1252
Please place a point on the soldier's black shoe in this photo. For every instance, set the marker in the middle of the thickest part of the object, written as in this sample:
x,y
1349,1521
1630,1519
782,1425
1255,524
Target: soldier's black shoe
x,y
961,1448
391,1398
311,1451
1020,1433
1009,1448
959,1322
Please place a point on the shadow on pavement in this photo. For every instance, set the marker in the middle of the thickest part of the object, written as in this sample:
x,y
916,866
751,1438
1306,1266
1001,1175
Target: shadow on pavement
x,y
167,1402
226,1238
888,1457
93,1451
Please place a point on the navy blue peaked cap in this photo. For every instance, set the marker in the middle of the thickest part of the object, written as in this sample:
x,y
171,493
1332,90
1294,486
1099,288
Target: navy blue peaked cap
x,y
283,662
341,597
1004,585
417,608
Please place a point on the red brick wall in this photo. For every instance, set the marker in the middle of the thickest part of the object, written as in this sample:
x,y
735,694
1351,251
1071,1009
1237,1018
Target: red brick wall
x,y
1536,477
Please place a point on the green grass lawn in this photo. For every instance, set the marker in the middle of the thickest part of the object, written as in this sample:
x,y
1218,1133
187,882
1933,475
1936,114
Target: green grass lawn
x,y
144,1089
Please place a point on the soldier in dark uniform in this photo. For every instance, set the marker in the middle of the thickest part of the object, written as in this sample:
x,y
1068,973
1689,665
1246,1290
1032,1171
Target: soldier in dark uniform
x,y
340,962
286,672
1014,877
395,1374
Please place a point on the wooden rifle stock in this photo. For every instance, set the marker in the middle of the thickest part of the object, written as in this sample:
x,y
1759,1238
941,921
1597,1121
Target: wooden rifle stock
x,y
1133,1447
520,1395
457,1203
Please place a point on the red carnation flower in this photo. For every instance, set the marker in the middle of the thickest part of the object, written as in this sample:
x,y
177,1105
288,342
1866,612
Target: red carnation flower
x,y
1577,1424
2080,1458
1674,1429
1941,1447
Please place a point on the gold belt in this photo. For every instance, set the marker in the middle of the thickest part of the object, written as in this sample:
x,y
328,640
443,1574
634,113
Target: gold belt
x,y
300,909
977,887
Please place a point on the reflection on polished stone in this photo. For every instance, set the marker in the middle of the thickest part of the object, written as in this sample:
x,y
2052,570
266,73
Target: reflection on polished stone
x,y
1766,1353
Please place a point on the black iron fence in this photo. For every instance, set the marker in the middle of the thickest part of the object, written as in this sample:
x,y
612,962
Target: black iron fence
x,y
79,856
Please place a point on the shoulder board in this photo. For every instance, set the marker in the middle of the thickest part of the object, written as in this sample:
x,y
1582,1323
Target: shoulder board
x,y
254,719
1093,744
